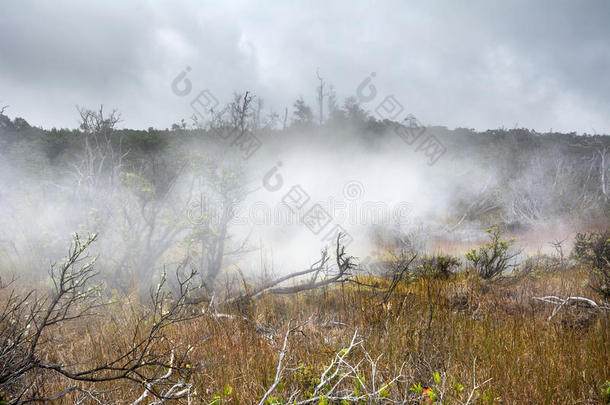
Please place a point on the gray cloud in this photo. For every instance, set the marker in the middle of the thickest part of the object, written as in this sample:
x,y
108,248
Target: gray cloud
x,y
479,64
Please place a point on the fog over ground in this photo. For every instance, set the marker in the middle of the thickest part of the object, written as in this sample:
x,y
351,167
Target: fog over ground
x,y
507,89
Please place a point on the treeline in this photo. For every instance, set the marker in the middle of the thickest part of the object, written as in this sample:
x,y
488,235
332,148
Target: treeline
x,y
536,176
157,196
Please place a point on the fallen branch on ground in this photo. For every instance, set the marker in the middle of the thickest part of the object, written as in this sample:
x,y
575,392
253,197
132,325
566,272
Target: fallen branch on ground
x,y
570,301
343,273
339,378
176,391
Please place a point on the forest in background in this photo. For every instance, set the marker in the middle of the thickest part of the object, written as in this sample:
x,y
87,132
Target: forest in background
x,y
134,187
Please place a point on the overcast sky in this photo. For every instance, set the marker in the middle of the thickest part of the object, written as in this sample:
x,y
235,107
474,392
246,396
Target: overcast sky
x,y
479,64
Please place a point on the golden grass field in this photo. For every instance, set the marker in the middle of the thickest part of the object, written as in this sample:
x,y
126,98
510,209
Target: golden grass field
x,y
430,325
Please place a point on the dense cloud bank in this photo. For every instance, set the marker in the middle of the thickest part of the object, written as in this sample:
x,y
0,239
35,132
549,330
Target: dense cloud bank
x,y
542,65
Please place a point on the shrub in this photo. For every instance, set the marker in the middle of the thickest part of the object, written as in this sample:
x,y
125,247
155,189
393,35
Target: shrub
x,y
593,250
606,392
439,265
539,264
494,257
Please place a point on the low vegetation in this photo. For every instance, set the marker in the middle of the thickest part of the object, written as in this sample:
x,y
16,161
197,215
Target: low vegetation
x,y
359,339
593,251
439,265
495,257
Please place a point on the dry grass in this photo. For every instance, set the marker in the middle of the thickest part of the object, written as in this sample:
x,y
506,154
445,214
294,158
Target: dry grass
x,y
429,325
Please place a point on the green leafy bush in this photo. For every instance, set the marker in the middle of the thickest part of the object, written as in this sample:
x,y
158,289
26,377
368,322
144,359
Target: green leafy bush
x,y
606,392
492,259
593,250
439,265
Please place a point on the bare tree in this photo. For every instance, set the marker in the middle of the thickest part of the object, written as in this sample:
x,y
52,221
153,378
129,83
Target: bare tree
x,y
320,93
599,149
151,221
285,120
256,115
25,320
102,148
220,190
217,186
241,113
481,203
602,151
558,246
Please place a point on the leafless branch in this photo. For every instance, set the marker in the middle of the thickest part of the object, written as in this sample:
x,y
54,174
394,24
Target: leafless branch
x,y
280,363
560,303
24,320
338,379
475,386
